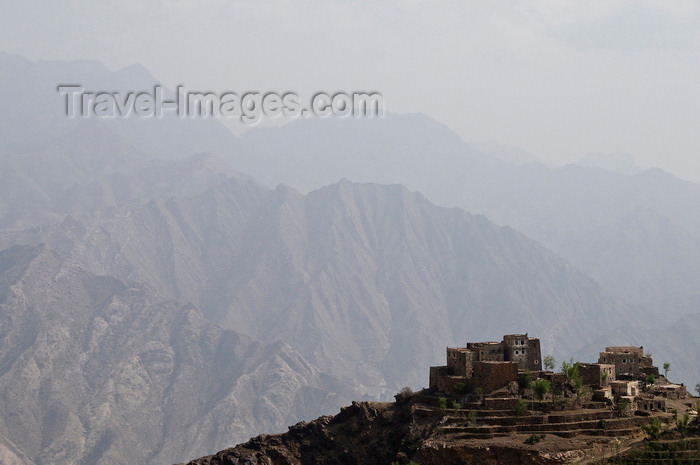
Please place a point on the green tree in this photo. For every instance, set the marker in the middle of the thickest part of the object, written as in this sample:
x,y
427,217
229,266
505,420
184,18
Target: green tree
x,y
540,387
697,388
570,369
549,362
667,368
525,381
651,379
556,393
442,403
682,424
535,438
624,407
520,407
575,380
653,429
404,394
461,388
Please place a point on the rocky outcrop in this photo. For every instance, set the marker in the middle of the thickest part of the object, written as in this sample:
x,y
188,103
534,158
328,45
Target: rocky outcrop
x,y
367,433
361,433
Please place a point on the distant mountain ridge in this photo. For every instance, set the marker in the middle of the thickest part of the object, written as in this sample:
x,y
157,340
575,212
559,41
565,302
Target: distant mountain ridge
x,y
34,112
572,210
369,282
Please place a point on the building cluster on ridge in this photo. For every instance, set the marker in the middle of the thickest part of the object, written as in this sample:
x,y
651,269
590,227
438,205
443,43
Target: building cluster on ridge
x,y
620,373
487,365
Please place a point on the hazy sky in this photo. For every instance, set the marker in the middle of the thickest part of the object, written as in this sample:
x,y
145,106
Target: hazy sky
x,y
559,79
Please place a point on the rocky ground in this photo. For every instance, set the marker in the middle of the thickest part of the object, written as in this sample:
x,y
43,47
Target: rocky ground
x,y
413,430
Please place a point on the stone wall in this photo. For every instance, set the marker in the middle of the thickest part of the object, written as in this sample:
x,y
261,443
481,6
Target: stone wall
x,y
487,351
494,375
435,374
447,384
624,388
459,361
651,404
629,360
596,374
625,363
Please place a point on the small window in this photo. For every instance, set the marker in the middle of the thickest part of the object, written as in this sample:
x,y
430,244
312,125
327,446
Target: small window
x,y
537,362
522,343
517,352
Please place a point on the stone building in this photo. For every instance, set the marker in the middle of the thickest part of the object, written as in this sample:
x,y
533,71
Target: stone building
x,y
624,388
460,362
597,375
523,350
491,375
629,361
489,365
487,351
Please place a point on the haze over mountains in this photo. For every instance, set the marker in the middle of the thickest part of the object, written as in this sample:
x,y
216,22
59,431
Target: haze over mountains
x,y
360,278
30,95
171,291
638,235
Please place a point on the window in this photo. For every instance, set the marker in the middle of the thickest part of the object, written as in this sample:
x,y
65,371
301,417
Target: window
x,y
522,343
517,352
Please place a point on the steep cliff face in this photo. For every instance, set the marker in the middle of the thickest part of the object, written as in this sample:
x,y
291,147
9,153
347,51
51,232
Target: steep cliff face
x,y
94,370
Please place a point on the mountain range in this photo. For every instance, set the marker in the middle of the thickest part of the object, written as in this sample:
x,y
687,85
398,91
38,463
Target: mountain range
x,y
97,370
637,234
149,288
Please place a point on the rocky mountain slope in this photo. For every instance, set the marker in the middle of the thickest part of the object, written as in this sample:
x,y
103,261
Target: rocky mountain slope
x,y
638,235
352,289
370,433
94,370
368,282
